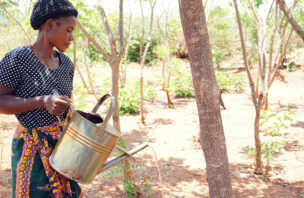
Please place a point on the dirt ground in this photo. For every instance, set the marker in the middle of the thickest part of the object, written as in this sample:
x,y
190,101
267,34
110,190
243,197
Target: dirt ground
x,y
172,134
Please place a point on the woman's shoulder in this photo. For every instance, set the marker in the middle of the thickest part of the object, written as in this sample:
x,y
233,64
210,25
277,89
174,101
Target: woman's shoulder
x,y
18,52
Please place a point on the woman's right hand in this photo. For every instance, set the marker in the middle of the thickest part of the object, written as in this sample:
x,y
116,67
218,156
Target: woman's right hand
x,y
55,104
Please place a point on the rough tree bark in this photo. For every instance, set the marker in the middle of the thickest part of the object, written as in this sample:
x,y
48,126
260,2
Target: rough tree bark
x,y
207,94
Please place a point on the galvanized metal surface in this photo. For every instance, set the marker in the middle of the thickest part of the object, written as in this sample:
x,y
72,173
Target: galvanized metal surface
x,y
84,147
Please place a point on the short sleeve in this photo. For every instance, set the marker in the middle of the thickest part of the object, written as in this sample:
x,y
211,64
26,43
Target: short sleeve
x,y
10,74
71,72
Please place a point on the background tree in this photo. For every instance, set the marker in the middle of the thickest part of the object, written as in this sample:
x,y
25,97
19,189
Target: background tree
x,y
297,28
206,94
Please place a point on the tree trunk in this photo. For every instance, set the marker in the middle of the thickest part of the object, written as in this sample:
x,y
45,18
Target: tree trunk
x,y
207,94
115,89
143,60
89,73
123,76
76,66
143,31
255,102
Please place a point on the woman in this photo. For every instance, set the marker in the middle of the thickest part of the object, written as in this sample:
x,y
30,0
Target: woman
x,y
35,85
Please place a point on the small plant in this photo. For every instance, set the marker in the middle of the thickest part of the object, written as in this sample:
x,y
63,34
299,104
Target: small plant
x,y
130,187
269,149
273,122
229,81
218,56
182,85
129,96
291,67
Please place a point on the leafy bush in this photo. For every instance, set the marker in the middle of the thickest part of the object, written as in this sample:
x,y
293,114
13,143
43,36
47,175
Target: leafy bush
x,y
129,96
229,81
218,56
272,122
181,85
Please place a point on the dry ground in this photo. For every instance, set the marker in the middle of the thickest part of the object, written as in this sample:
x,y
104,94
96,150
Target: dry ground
x,y
172,134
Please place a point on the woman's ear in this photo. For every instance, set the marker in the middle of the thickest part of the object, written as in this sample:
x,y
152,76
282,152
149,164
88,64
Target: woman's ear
x,y
49,24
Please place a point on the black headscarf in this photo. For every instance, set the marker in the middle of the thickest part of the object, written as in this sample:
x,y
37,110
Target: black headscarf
x,y
51,9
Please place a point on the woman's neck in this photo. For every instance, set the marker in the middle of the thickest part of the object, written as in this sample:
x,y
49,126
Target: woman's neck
x,y
42,47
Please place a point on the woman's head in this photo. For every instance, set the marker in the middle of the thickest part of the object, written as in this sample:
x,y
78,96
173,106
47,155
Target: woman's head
x,y
56,19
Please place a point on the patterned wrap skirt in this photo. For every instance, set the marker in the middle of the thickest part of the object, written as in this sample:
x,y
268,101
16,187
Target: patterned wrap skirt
x,y
32,175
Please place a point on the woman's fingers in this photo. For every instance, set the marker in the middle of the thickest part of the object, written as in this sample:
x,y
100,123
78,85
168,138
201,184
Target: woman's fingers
x,y
65,98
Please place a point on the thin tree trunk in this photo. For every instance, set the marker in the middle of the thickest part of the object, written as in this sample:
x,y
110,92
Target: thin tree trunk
x,y
253,93
255,102
76,66
142,63
123,76
89,73
207,93
143,32
115,61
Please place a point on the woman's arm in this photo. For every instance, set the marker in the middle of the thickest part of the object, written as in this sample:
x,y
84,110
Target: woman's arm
x,y
10,104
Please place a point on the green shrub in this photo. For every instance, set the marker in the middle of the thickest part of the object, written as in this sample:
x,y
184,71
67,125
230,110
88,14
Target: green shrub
x,y
228,81
268,149
182,85
272,122
129,96
218,56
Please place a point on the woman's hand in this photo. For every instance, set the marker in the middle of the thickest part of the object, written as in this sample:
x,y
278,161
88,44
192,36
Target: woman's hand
x,y
55,104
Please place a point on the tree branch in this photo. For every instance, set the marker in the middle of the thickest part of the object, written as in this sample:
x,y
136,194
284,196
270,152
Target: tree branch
x,y
112,42
24,30
92,40
290,19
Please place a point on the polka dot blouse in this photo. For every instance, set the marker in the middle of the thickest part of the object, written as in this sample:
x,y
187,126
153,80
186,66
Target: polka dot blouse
x,y
21,70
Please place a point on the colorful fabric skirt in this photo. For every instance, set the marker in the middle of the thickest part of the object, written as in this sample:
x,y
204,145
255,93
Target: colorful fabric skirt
x,y
32,175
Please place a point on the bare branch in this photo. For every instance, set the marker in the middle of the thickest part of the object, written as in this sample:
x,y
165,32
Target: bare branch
x,y
24,30
281,58
121,18
298,29
269,11
253,94
254,12
111,40
92,40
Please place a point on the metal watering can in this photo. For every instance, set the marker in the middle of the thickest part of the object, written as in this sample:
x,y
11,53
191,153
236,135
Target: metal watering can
x,y
85,145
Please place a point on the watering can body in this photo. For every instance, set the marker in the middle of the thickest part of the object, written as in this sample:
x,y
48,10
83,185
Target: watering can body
x,y
84,147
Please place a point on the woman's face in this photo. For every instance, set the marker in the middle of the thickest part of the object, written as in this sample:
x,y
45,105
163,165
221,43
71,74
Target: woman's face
x,y
60,32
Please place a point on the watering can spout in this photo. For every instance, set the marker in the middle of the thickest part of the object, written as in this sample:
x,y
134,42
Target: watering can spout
x,y
122,157
83,148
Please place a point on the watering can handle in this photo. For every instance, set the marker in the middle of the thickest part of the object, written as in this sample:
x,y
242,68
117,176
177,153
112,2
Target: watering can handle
x,y
109,114
100,101
73,110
